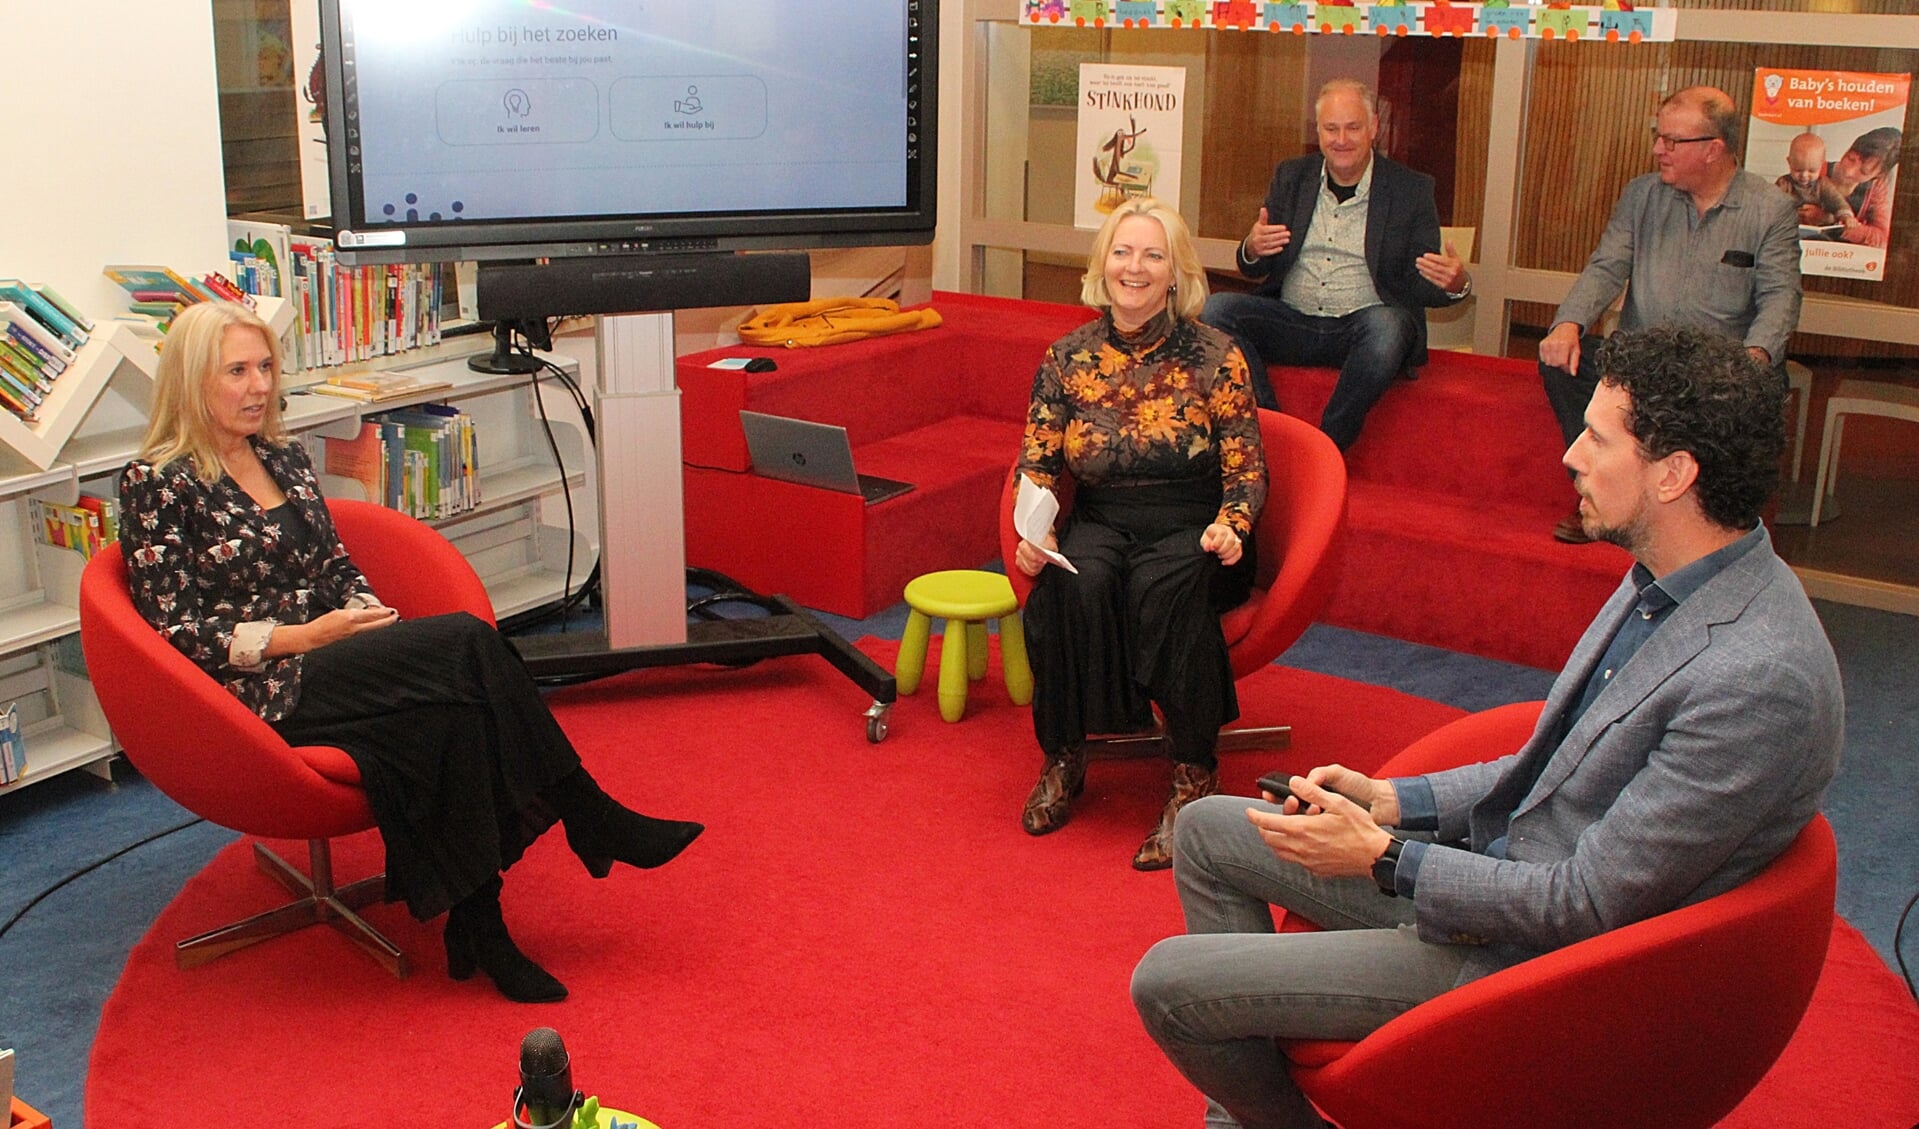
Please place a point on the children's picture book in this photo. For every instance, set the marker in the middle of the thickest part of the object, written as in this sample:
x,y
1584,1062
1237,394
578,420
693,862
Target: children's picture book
x,y
20,376
15,338
60,303
223,287
79,528
137,280
20,387
49,315
13,748
362,459
29,366
374,388
260,255
17,318
15,401
106,514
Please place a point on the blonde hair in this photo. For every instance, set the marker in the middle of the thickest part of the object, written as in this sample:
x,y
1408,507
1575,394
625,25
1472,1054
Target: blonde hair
x,y
1189,276
181,424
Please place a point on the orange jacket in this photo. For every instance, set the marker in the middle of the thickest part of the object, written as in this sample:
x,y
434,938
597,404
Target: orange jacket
x,y
829,321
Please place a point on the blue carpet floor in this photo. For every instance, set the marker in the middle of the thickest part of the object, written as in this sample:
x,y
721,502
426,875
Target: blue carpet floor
x,y
60,958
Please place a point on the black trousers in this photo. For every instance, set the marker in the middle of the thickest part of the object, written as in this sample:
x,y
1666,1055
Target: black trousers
x,y
454,743
1138,626
1568,393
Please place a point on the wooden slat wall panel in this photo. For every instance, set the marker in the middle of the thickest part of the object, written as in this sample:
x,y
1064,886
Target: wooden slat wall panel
x,y
1263,78
259,151
1586,136
1469,158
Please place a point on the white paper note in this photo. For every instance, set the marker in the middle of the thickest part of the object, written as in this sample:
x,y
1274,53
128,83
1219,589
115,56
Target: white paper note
x,y
1034,508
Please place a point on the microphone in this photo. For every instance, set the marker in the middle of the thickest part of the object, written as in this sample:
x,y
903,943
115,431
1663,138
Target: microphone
x,y
545,1098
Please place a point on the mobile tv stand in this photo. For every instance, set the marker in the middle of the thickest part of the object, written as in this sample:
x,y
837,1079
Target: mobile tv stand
x,y
784,629
643,575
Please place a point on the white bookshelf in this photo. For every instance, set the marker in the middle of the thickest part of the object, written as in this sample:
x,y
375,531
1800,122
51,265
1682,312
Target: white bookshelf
x,y
113,345
517,537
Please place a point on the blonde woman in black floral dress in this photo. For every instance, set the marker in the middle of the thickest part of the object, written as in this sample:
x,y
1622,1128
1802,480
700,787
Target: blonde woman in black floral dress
x,y
233,559
1151,416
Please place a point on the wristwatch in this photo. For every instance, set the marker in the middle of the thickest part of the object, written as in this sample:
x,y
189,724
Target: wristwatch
x,y
1386,869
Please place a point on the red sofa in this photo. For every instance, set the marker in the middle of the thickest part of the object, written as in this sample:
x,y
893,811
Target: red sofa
x,y
1454,484
942,408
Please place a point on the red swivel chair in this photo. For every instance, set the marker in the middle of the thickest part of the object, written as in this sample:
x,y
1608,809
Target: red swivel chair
x,y
216,758
1669,1021
1301,534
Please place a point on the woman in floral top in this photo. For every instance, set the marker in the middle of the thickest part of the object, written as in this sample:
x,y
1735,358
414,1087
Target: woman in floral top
x,y
1151,415
233,559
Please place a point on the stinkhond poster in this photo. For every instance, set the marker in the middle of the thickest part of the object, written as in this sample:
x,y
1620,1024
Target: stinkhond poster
x,y
1130,120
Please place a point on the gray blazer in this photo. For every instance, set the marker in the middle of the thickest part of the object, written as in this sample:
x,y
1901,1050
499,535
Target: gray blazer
x,y
1692,770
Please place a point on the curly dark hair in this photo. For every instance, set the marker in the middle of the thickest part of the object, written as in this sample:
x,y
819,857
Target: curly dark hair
x,y
1700,391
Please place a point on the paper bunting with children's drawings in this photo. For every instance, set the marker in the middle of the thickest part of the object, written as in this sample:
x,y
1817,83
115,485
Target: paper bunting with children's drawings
x,y
1614,21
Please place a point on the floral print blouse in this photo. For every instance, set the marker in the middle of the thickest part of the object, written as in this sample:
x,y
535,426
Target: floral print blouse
x,y
1169,403
213,572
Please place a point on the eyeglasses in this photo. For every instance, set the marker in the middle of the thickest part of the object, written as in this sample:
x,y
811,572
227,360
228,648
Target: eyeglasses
x,y
1659,138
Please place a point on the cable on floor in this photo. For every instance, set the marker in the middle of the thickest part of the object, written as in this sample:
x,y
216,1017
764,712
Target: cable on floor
x,y
89,869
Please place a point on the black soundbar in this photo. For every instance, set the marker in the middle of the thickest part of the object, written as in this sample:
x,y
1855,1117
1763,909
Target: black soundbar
x,y
641,284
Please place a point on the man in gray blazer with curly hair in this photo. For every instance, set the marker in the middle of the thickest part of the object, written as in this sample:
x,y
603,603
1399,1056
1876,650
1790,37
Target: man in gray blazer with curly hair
x,y
1686,743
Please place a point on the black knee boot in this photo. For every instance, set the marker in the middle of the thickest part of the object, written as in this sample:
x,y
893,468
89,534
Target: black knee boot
x,y
602,831
476,937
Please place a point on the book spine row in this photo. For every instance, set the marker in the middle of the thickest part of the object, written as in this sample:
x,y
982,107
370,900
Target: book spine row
x,y
159,293
26,372
38,336
13,747
46,307
254,274
424,462
347,314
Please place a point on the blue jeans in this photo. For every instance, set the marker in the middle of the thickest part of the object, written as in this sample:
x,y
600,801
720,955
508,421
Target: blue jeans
x,y
1369,347
1216,998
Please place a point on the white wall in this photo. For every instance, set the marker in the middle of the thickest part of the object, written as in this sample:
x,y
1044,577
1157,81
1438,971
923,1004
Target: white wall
x,y
112,128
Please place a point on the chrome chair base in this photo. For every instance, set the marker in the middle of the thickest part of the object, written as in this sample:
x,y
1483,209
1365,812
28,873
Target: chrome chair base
x,y
318,902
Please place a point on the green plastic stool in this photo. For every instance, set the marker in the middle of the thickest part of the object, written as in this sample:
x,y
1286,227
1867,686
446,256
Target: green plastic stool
x,y
967,597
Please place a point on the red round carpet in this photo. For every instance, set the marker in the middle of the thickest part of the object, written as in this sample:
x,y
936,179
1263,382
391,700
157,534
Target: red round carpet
x,y
863,937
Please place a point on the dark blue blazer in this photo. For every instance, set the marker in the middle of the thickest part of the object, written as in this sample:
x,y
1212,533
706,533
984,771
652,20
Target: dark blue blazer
x,y
1402,223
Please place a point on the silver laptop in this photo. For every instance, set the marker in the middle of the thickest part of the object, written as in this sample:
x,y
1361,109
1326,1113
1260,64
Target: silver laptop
x,y
811,454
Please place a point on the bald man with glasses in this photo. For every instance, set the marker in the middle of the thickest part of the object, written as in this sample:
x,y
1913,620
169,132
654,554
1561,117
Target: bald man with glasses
x,y
1700,242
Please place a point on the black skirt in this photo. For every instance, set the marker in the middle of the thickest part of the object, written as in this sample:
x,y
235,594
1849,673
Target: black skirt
x,y
1138,626
454,744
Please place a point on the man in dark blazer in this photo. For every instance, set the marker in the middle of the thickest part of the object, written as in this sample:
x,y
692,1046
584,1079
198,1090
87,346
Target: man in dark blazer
x,y
1684,746
1348,248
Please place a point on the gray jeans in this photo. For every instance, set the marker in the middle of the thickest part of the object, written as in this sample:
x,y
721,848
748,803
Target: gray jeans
x,y
1216,998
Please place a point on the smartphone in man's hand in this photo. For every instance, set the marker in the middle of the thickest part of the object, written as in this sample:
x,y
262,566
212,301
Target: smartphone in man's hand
x,y
1279,784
